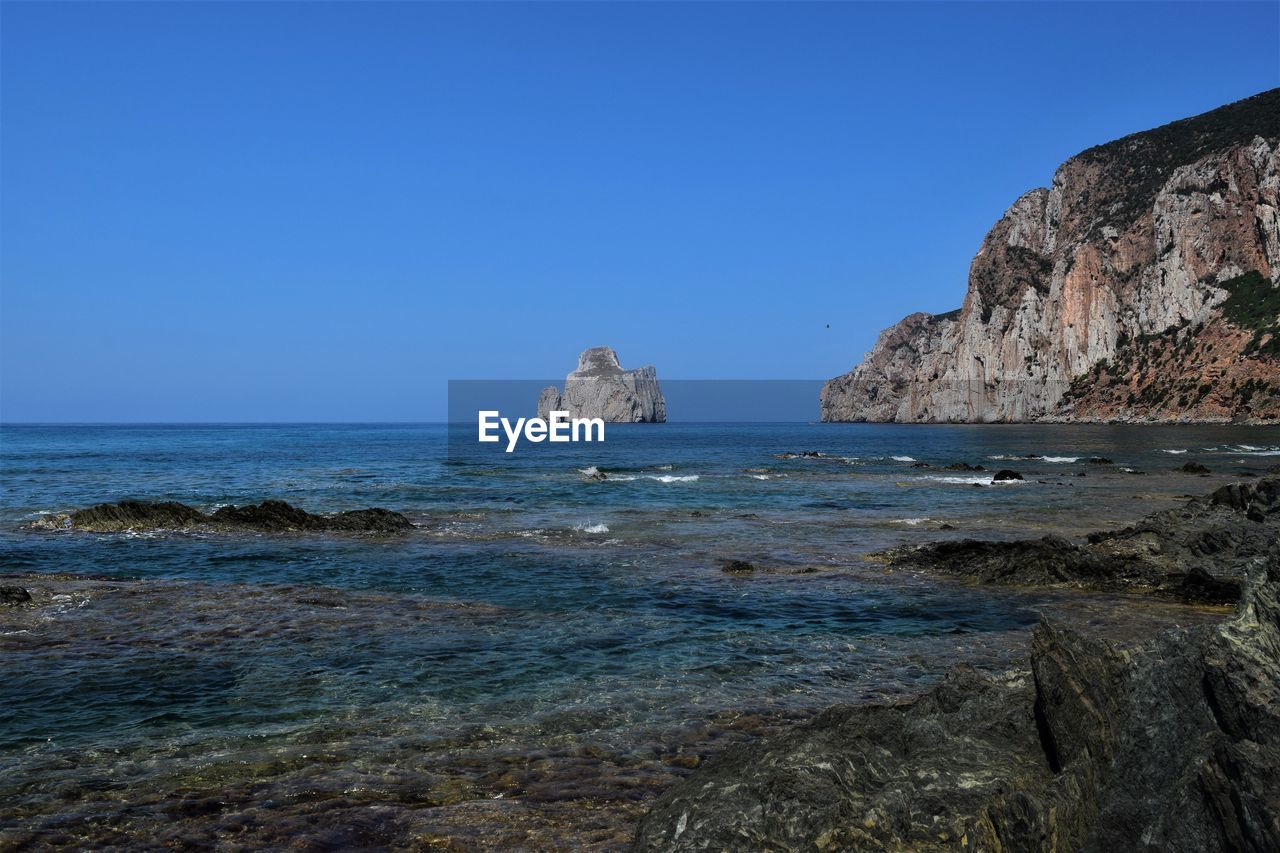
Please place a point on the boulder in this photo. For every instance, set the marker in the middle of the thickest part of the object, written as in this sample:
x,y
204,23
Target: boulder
x,y
600,388
1004,475
11,596
1194,468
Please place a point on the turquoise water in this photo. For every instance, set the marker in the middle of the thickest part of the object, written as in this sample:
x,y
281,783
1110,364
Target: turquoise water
x,y
541,640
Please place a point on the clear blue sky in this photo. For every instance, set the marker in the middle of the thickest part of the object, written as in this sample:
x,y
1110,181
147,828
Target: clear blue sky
x,y
303,211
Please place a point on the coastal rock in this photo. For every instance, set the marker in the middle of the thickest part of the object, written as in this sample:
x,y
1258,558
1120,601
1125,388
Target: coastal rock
x,y
1004,475
268,516
137,515
1142,285
1195,468
11,596
1173,743
600,388
1196,552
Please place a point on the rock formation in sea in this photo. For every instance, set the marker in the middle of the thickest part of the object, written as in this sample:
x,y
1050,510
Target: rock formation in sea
x,y
600,388
1142,285
268,516
1169,744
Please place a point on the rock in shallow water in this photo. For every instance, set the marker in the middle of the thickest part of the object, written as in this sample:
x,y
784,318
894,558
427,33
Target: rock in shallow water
x,y
268,516
13,596
1172,744
1196,552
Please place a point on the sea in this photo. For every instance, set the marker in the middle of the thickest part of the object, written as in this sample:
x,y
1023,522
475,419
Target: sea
x,y
554,644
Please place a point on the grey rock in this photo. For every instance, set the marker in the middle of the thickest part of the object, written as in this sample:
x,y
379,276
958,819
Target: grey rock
x,y
1171,744
600,388
1196,552
12,596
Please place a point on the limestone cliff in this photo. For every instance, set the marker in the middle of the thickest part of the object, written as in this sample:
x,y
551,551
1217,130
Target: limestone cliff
x,y
1141,286
600,388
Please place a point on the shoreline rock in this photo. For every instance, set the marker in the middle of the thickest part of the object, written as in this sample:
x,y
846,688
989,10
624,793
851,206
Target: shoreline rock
x,y
1195,553
1170,744
269,516
13,596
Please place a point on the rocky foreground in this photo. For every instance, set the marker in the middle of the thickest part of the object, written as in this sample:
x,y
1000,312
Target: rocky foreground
x,y
1169,744
1197,552
267,517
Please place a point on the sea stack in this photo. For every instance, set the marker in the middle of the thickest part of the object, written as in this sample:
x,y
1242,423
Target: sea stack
x,y
600,388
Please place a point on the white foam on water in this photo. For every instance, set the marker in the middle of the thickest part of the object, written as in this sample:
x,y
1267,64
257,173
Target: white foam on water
x,y
590,471
909,521
758,476
902,459
591,528
963,481
671,478
1252,450
988,480
1173,450
1061,458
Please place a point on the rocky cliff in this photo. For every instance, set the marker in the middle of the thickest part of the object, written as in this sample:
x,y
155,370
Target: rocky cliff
x,y
600,388
1141,286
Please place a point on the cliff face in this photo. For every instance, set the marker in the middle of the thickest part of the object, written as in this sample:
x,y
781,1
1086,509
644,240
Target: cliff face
x,y
1142,285
600,388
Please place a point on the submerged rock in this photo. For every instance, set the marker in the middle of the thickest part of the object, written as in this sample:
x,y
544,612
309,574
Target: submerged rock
x,y
1195,468
1195,552
1171,744
737,567
12,596
268,516
600,388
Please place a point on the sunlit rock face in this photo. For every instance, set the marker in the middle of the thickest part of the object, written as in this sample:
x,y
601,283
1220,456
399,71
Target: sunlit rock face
x,y
600,388
1140,286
